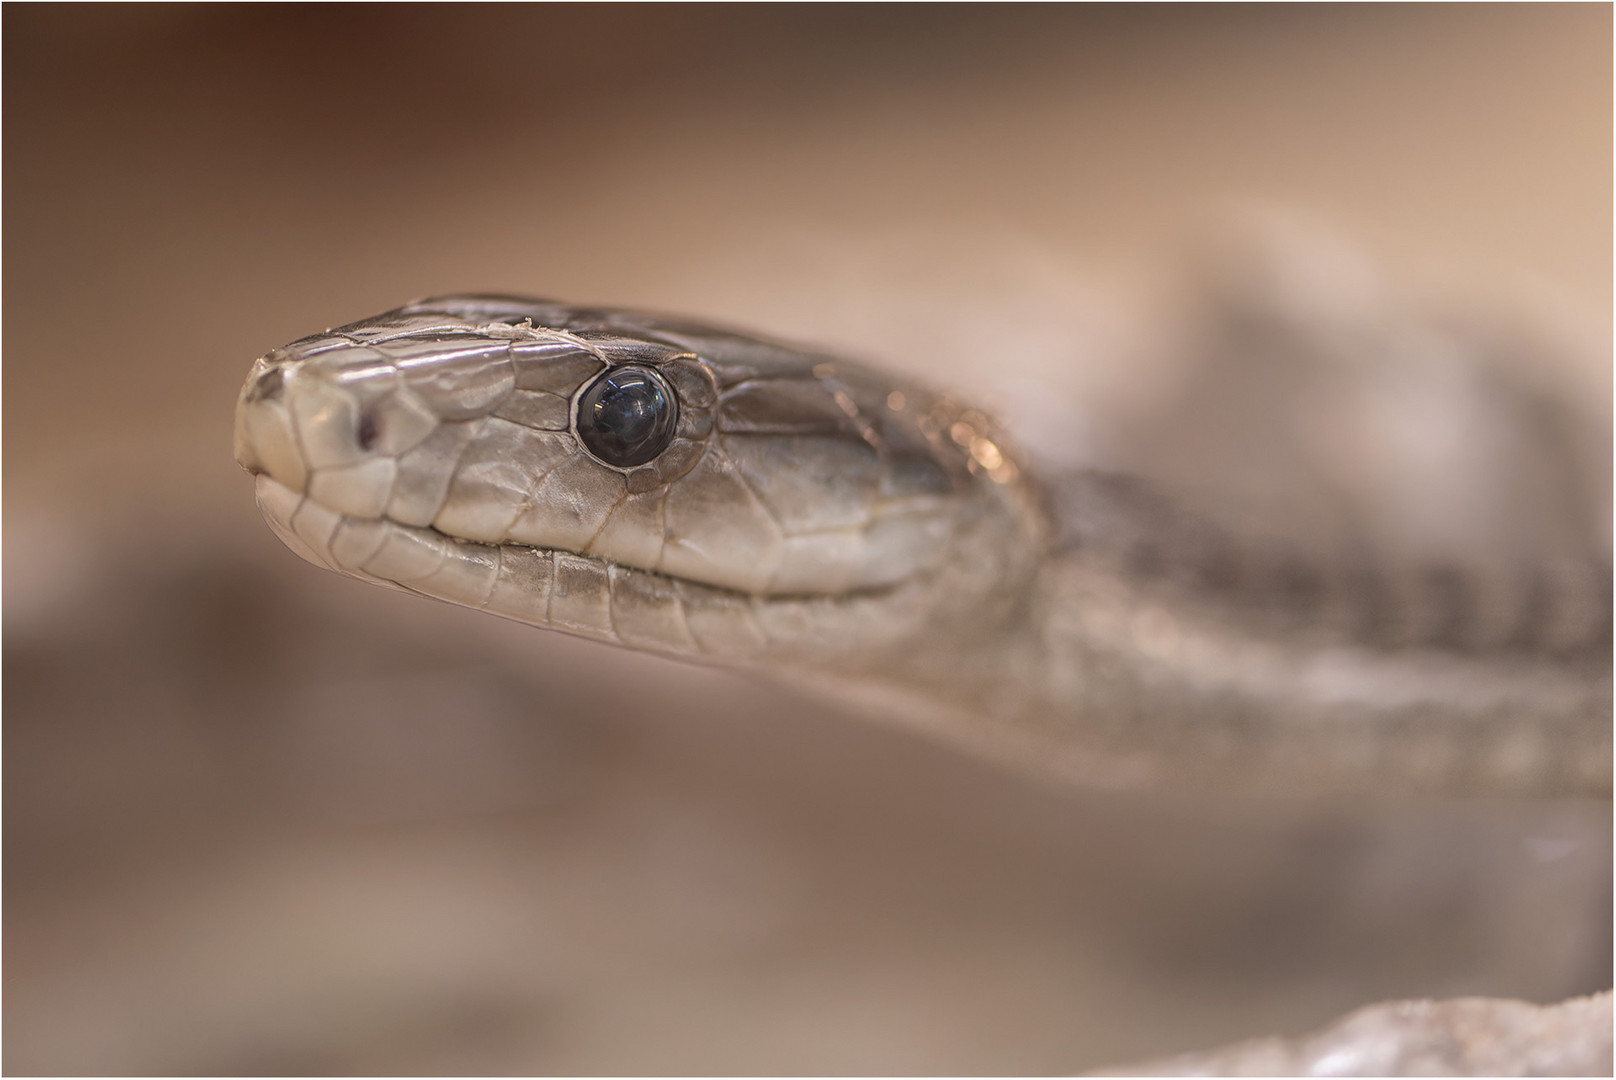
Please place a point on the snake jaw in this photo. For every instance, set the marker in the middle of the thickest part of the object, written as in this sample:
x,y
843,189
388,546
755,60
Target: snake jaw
x,y
593,597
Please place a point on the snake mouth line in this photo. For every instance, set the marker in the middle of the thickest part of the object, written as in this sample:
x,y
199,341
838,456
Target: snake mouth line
x,y
582,594
306,502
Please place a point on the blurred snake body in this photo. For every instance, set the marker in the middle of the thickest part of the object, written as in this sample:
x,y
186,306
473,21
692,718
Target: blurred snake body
x,y
887,544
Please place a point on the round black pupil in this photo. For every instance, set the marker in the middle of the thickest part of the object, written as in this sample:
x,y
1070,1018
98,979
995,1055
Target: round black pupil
x,y
627,417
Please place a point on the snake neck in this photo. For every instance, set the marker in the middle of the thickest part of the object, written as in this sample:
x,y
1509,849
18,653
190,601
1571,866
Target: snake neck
x,y
1179,566
1152,648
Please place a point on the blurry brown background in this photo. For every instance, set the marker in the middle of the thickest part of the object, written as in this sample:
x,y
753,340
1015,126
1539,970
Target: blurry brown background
x,y
260,819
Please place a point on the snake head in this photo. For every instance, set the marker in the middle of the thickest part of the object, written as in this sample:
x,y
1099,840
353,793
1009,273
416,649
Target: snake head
x,y
660,483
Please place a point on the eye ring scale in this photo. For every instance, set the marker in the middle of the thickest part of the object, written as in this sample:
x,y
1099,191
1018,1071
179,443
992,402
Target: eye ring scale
x,y
626,417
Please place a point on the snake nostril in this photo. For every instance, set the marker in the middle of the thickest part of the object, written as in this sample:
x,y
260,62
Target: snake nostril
x,y
366,434
268,386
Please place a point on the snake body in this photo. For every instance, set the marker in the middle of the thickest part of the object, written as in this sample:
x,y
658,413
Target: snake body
x,y
886,543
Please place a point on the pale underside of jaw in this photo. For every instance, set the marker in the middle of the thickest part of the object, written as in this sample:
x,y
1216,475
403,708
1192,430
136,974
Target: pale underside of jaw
x,y
585,595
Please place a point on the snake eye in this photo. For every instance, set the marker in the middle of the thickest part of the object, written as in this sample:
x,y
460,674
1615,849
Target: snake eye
x,y
627,416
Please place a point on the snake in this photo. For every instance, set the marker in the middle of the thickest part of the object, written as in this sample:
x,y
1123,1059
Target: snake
x,y
716,496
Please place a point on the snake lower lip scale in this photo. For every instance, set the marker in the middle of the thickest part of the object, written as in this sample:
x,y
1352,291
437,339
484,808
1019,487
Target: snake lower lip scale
x,y
736,500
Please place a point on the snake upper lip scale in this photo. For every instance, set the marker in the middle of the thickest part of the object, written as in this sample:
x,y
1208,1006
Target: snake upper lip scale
x,y
697,492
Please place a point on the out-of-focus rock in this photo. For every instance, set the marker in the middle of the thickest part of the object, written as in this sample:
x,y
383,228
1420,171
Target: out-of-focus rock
x,y
1462,1037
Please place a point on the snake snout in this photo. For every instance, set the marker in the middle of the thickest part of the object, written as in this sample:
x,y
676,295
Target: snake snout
x,y
325,434
264,440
